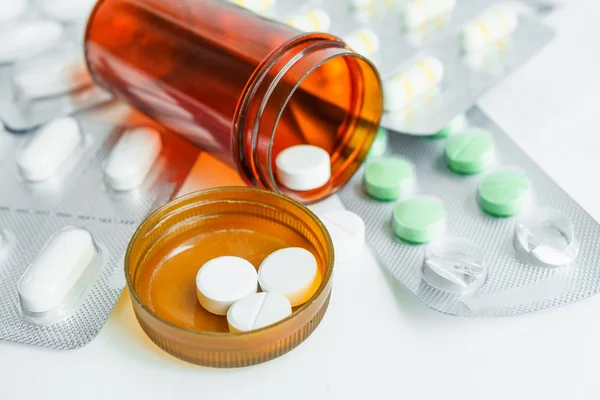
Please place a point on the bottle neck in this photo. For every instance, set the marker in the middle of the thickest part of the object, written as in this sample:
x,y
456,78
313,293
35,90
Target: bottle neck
x,y
313,90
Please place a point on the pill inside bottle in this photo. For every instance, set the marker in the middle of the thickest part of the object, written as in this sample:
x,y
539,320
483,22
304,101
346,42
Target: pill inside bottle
x,y
190,66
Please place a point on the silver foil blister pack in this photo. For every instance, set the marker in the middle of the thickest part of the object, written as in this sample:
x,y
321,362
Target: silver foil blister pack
x,y
379,30
63,236
43,73
546,256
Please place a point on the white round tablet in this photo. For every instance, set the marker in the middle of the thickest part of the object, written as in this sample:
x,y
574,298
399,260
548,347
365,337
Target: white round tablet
x,y
257,311
224,280
303,167
347,231
292,272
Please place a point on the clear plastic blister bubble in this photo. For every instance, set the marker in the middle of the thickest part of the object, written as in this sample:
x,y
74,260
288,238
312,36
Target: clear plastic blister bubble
x,y
546,237
454,264
40,167
535,243
42,70
68,307
396,34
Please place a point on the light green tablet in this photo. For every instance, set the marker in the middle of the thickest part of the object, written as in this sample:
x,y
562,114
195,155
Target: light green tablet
x,y
470,152
389,178
504,193
419,219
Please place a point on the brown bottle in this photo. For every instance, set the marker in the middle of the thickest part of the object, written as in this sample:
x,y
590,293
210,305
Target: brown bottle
x,y
238,85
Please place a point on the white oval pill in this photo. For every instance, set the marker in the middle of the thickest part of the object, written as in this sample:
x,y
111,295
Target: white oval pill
x,y
292,272
303,167
56,270
224,280
363,41
347,231
132,158
312,21
257,311
50,147
28,39
51,75
11,9
67,10
418,12
491,26
413,83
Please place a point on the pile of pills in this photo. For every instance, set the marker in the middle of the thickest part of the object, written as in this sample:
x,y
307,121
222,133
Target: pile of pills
x,y
229,286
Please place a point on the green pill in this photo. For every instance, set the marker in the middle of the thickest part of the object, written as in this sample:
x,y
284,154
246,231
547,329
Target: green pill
x,y
419,219
457,124
379,144
470,152
504,193
389,178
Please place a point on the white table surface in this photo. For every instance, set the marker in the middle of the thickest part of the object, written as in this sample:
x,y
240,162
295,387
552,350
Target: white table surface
x,y
377,340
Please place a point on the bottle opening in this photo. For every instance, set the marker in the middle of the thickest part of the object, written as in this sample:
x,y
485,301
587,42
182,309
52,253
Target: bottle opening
x,y
316,92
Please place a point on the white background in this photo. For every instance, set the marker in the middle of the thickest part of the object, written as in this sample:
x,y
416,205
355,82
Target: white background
x,y
376,340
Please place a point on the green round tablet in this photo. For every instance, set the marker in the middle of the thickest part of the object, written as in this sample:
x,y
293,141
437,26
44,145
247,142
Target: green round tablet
x,y
457,124
389,178
419,219
470,152
504,193
379,144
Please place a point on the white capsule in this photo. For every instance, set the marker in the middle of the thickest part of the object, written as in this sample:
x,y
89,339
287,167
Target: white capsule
x,y
492,26
51,75
347,231
11,9
132,158
413,83
303,167
67,10
56,271
313,21
28,39
418,12
363,41
292,272
257,311
224,280
50,147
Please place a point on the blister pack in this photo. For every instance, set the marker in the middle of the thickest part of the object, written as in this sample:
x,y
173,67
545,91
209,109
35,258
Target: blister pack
x,y
42,67
73,193
472,226
436,57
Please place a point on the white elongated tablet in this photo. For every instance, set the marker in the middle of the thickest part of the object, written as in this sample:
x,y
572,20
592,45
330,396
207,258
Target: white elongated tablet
x,y
363,41
491,26
316,20
224,280
28,39
418,12
57,269
67,10
292,272
132,158
11,9
257,311
347,231
303,167
413,83
50,147
51,75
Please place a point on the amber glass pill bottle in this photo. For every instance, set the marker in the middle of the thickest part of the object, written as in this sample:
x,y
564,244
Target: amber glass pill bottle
x,y
238,85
